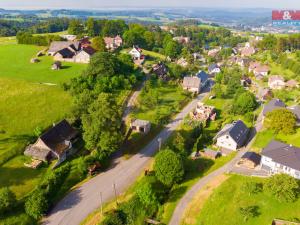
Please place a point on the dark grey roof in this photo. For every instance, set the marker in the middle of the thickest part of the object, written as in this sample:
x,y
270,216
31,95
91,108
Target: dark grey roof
x,y
283,154
252,156
273,104
56,46
237,131
203,76
55,137
66,53
212,67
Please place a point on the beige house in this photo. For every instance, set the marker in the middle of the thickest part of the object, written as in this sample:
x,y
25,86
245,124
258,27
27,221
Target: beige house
x,y
141,126
112,43
192,84
276,82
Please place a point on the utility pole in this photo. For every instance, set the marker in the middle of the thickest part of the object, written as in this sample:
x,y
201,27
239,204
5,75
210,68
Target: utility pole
x,y
101,202
115,190
159,143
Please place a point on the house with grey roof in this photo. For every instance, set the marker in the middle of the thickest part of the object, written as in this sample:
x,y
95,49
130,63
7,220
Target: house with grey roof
x,y
278,157
55,143
233,136
141,126
195,83
56,46
214,68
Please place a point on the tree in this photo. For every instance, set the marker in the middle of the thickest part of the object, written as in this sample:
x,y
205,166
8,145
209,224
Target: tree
x,y
36,204
75,27
102,124
147,195
7,200
115,217
90,27
252,187
99,44
172,49
245,102
280,120
284,187
168,167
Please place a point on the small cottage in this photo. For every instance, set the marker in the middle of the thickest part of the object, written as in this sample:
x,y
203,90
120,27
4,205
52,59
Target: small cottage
x,y
141,126
136,53
214,68
249,160
55,143
112,43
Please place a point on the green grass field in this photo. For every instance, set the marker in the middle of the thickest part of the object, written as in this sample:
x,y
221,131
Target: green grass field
x,y
223,206
28,102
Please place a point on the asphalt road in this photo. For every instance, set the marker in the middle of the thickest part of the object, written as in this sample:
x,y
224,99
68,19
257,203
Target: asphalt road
x,y
187,198
79,203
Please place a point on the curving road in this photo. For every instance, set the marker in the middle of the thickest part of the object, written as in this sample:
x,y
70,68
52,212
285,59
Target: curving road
x,y
191,193
79,203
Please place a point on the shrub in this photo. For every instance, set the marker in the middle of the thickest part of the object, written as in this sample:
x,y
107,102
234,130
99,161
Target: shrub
x,y
36,204
249,211
168,167
115,217
252,187
284,187
7,200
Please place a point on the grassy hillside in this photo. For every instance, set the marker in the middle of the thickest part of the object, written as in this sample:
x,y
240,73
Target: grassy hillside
x,y
28,101
223,206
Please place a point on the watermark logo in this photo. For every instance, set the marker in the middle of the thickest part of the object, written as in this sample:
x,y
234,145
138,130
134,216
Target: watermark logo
x,y
286,17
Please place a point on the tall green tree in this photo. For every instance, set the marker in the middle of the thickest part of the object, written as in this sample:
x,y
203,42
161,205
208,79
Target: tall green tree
x,y
102,124
91,27
7,200
98,44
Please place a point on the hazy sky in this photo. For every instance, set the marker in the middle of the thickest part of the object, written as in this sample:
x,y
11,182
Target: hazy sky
x,y
98,4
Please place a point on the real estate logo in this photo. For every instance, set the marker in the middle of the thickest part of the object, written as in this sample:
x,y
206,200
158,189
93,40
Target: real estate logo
x,y
286,17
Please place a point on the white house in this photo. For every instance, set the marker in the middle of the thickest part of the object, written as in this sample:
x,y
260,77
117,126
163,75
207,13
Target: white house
x,y
136,52
279,157
233,136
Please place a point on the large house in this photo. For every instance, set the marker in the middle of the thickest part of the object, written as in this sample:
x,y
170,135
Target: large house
x,y
54,143
233,136
112,43
279,157
71,51
276,82
247,51
258,69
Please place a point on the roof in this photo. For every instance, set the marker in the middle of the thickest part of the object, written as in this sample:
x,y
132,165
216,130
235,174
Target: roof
x,y
203,76
37,153
262,68
56,136
212,67
275,78
292,83
247,51
89,50
252,156
140,123
160,69
295,110
237,131
191,82
109,40
56,46
283,154
273,104
66,53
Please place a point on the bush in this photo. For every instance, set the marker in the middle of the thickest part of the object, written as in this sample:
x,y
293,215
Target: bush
x,y
249,211
115,217
284,187
7,200
36,204
251,187
168,167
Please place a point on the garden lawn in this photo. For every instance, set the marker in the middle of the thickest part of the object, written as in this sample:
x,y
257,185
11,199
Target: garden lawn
x,y
223,205
15,63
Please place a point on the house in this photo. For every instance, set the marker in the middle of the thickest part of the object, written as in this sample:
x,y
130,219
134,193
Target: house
x,y
56,46
85,42
198,57
246,81
141,126
232,136
203,112
213,52
211,154
182,40
192,84
243,62
272,105
249,160
276,82
296,111
278,157
112,43
292,84
160,70
182,62
84,56
56,65
265,94
136,53
247,51
204,78
54,143
214,68
64,54
258,69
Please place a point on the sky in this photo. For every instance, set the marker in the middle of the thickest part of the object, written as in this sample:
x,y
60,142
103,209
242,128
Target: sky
x,y
100,4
